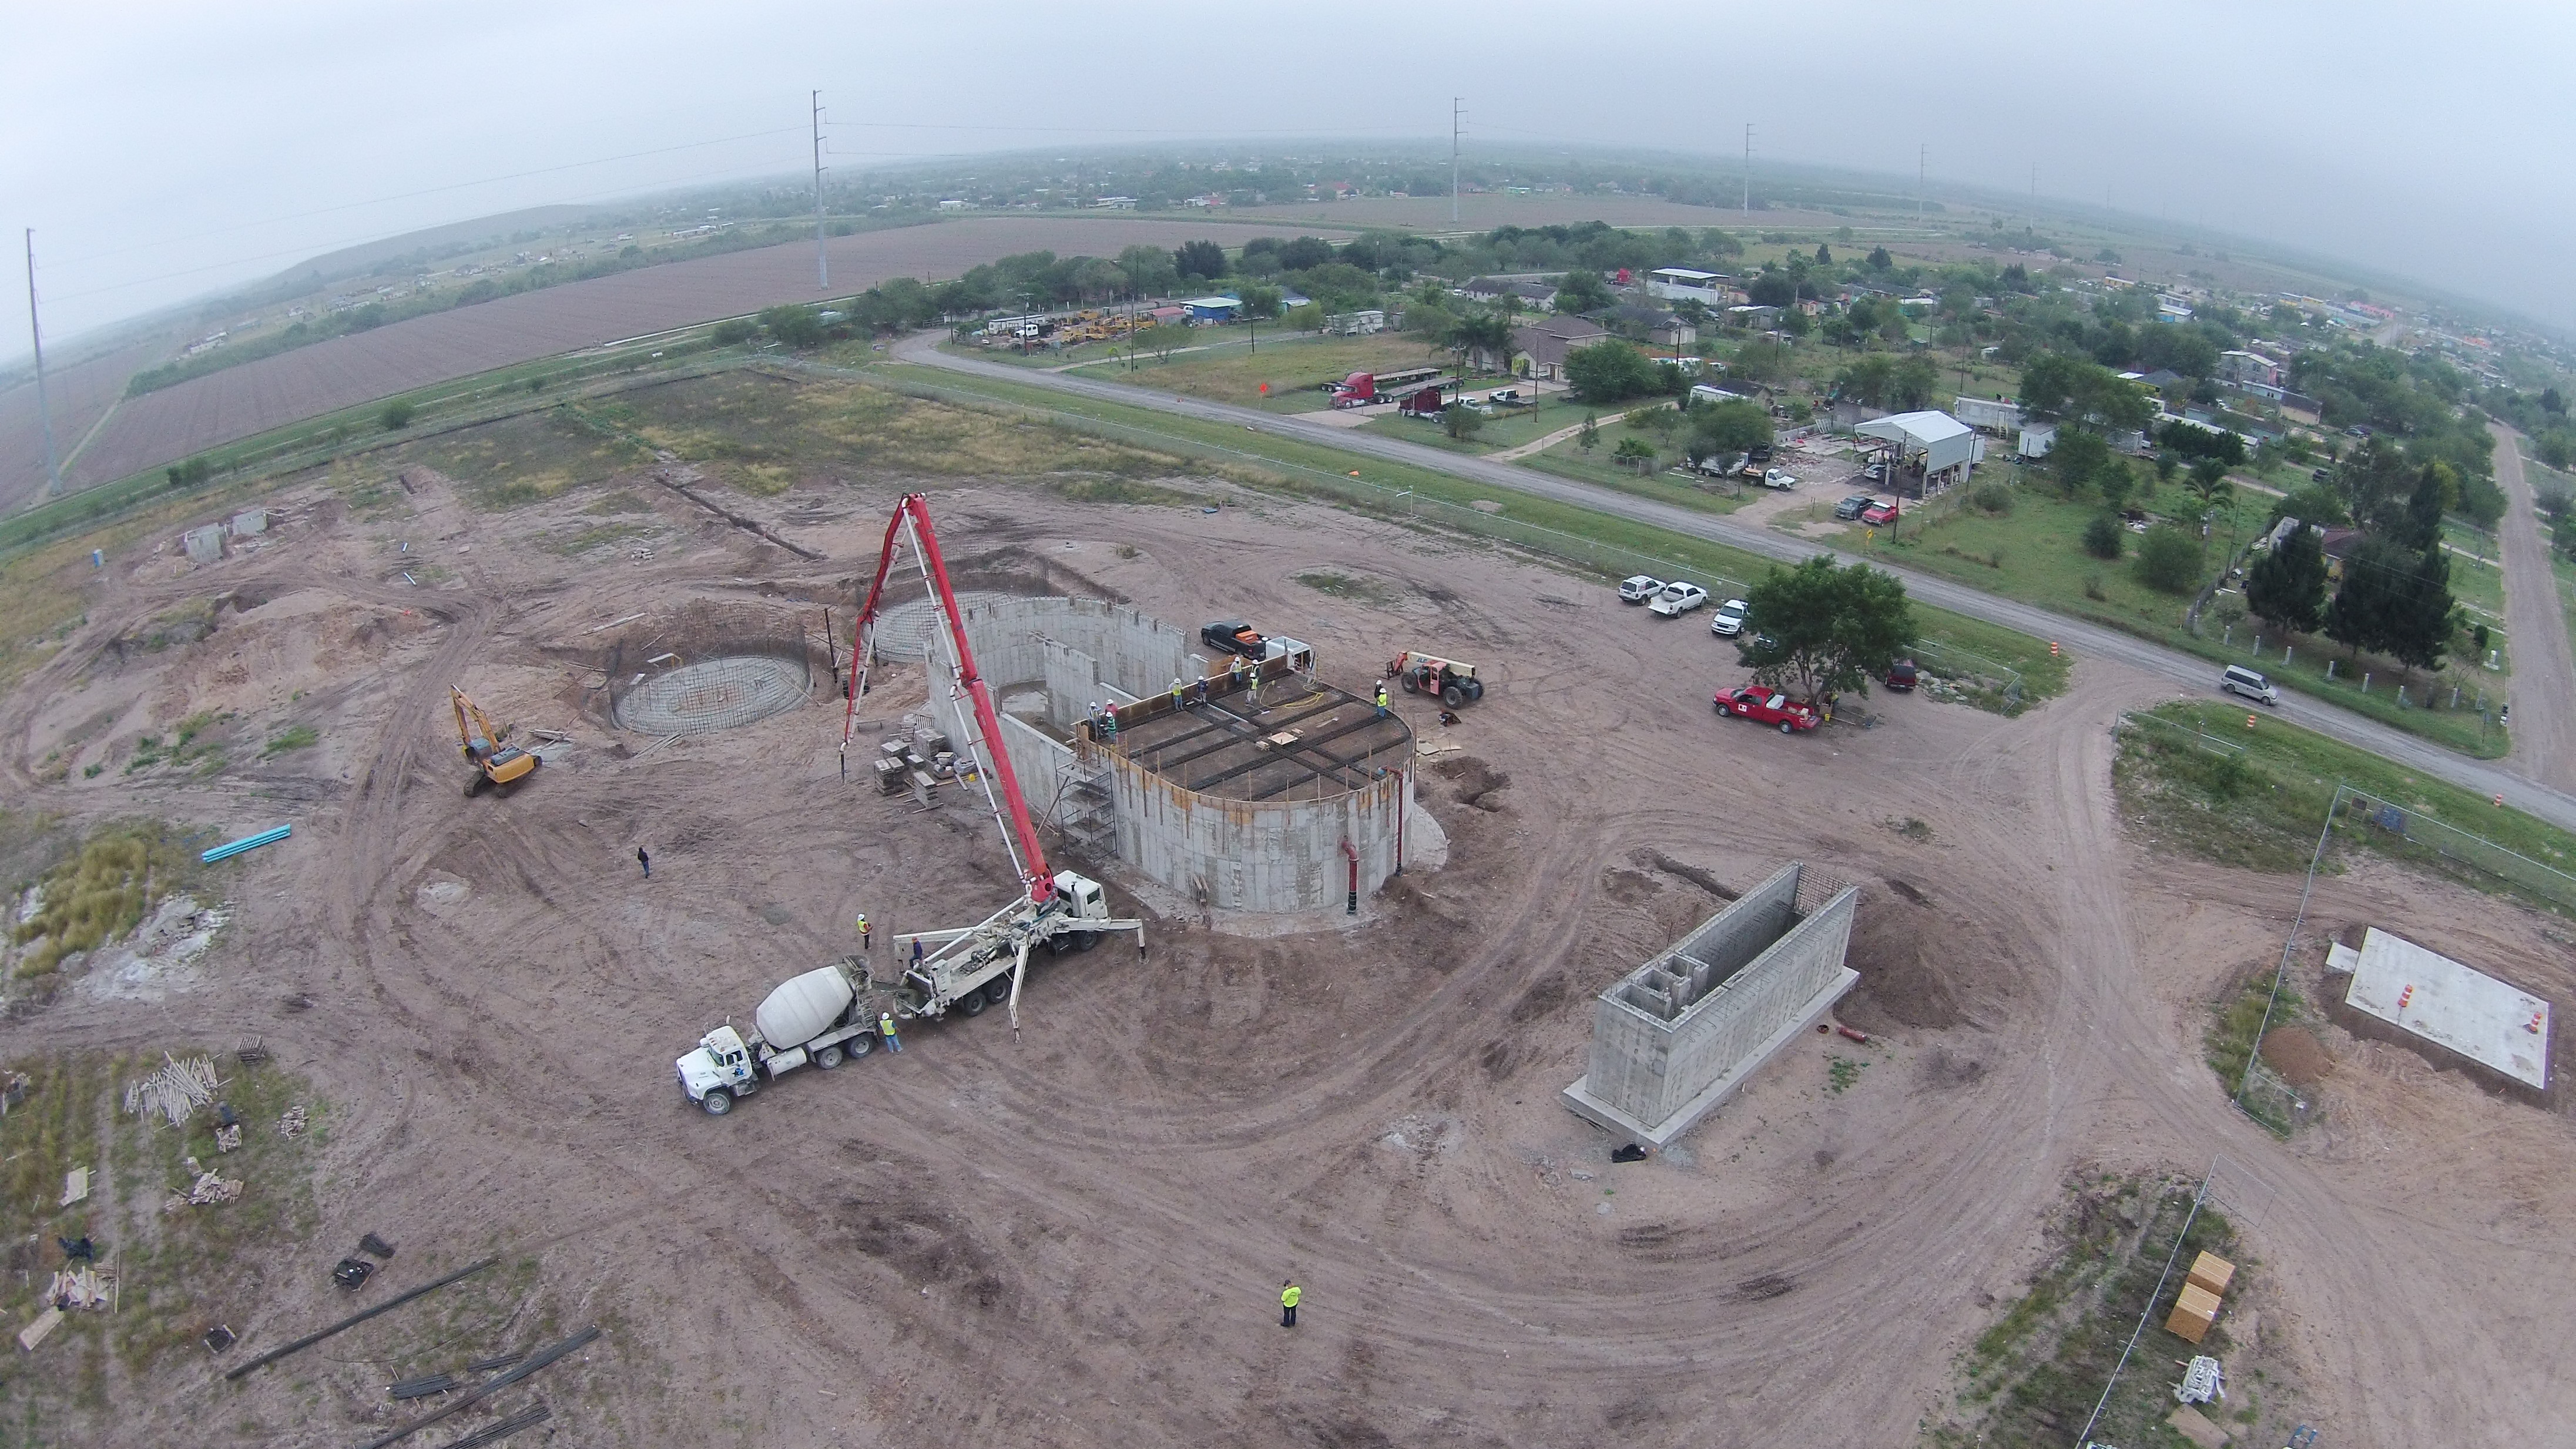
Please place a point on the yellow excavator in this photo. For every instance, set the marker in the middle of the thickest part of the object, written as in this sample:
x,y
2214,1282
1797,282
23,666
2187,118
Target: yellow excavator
x,y
496,765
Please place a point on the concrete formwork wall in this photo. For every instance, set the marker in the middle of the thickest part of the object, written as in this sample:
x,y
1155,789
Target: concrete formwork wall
x,y
1246,855
1038,762
1129,651
1670,1030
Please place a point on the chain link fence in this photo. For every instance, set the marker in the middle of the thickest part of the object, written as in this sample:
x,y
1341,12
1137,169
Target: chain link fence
x,y
2414,835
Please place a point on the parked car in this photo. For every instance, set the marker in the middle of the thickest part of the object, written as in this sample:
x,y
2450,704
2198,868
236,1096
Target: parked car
x,y
2250,683
1902,676
1779,478
1677,599
1875,472
1878,513
2320,475
1638,588
1760,454
1852,507
1767,706
1728,621
1504,397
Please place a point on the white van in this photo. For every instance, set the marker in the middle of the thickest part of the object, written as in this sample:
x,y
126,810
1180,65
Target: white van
x,y
2240,680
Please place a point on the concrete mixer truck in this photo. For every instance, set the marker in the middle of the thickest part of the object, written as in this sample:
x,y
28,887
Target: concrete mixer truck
x,y
815,1020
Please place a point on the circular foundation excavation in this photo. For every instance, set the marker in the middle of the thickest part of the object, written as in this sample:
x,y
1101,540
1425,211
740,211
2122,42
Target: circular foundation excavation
x,y
723,693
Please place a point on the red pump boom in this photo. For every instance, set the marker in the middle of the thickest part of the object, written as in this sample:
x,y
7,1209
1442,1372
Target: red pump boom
x,y
912,518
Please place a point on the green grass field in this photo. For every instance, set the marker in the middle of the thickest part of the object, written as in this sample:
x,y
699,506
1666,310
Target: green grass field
x,y
1232,365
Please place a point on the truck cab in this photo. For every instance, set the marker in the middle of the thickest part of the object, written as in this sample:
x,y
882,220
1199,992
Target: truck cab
x,y
720,1070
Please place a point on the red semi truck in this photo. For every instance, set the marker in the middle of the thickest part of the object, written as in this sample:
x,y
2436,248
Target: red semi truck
x,y
1362,389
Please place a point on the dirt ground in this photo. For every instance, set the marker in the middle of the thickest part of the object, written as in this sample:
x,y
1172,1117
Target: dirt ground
x,y
1077,1236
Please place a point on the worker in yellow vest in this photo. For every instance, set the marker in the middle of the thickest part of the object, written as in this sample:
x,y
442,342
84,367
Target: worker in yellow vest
x,y
1381,699
1288,1296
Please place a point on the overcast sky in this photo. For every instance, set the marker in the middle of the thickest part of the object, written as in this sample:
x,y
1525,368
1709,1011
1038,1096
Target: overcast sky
x,y
163,150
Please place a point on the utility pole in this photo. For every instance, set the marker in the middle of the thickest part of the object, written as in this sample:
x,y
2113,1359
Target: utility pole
x,y
1922,168
822,267
1454,116
36,335
1748,171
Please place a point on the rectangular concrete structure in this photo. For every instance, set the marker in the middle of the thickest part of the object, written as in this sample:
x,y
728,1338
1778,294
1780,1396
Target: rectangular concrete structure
x,y
1675,1037
2493,1023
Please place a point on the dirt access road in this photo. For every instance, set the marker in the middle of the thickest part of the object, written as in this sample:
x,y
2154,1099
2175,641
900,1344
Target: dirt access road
x,y
2193,676
2544,678
1077,1236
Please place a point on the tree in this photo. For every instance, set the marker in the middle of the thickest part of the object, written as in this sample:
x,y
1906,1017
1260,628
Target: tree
x,y
1304,254
1879,260
2314,503
2057,386
1610,371
1819,630
190,473
1460,421
2104,537
2436,488
1730,427
794,327
1582,291
1913,382
1824,255
2393,601
1634,452
2169,560
1479,331
2079,457
1590,437
2287,587
1149,270
1260,301
396,416
1199,259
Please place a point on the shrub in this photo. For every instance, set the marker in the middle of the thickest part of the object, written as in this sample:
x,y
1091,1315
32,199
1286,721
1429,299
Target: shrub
x,y
2169,560
729,333
2104,537
1992,498
396,416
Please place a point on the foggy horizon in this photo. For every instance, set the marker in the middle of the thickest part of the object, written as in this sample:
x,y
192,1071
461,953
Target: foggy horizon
x,y
167,164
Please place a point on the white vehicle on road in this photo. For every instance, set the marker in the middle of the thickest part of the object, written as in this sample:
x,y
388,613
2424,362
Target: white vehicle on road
x,y
1677,599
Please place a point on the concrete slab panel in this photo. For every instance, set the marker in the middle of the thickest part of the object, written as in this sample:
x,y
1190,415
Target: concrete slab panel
x,y
2493,1023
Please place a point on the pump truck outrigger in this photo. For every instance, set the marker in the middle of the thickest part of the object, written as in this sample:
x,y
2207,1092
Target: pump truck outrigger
x,y
825,1015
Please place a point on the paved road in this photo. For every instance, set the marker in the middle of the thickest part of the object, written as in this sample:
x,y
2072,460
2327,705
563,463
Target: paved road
x,y
2191,676
2544,679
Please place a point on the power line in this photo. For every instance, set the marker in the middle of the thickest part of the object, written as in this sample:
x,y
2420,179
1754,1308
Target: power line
x,y
36,337
822,266
1456,116
1748,171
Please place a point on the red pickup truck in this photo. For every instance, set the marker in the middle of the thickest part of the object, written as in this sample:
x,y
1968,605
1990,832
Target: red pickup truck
x,y
1767,706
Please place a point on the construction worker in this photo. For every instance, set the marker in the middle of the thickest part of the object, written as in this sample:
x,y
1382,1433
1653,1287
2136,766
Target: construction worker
x,y
1289,1293
885,1028
1381,699
863,930
1176,694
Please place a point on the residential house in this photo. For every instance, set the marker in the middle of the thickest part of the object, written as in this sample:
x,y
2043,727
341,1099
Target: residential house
x,y
1530,292
1664,329
2243,368
1539,349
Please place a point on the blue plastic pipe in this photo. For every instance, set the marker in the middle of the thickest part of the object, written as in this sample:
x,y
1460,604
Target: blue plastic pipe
x,y
247,842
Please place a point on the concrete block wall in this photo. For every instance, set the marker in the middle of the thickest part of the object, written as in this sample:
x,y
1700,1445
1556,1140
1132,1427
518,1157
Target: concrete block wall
x,y
1245,855
1669,1030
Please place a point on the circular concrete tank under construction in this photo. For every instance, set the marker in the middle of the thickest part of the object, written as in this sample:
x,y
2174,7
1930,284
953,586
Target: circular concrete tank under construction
x,y
1271,792
709,667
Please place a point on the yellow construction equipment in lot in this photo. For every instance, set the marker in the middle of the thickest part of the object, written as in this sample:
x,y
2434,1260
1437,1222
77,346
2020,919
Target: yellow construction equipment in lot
x,y
495,764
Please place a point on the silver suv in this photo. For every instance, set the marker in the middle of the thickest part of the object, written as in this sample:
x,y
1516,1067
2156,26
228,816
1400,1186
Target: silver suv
x,y
2240,680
